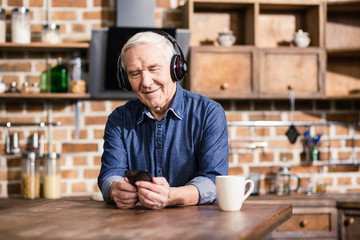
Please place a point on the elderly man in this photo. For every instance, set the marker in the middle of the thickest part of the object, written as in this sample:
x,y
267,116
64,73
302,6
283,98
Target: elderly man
x,y
179,137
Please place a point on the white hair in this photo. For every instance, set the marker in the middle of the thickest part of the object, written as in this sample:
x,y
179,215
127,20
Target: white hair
x,y
151,38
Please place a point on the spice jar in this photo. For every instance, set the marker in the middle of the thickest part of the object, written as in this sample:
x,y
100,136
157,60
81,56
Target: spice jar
x,y
2,26
50,33
30,186
77,84
52,176
20,25
25,87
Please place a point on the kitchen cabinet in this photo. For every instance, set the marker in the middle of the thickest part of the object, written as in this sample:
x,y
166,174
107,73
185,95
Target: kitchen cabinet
x,y
309,222
312,217
327,216
268,27
300,69
349,219
343,48
349,224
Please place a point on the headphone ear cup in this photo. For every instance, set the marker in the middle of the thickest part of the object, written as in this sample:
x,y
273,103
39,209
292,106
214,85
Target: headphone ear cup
x,y
124,81
178,68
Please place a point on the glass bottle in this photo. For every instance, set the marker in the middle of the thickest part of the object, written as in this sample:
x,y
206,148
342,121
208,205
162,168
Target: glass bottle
x,y
30,186
52,176
2,25
59,77
20,25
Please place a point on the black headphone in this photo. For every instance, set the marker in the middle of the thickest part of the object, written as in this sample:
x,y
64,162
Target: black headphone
x,y
178,65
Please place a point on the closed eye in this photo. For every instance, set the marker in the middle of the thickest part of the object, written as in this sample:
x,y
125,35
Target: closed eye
x,y
134,74
154,69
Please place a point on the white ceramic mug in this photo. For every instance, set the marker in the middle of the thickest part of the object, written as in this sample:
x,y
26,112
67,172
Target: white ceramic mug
x,y
231,193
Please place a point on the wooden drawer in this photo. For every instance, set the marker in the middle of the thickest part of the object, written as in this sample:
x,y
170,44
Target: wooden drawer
x,y
309,223
222,72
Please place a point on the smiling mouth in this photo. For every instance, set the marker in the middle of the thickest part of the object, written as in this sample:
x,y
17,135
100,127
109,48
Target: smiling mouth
x,y
150,92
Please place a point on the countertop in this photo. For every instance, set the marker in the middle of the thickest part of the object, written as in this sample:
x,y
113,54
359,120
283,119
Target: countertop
x,y
76,218
351,200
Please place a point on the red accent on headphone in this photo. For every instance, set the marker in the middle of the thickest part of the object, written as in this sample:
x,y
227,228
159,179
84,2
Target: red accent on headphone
x,y
178,68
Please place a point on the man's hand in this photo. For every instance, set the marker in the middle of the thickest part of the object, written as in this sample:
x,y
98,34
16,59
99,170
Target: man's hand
x,y
124,194
155,194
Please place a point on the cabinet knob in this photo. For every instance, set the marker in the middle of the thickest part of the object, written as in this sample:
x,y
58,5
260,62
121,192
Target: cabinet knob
x,y
349,221
224,86
303,223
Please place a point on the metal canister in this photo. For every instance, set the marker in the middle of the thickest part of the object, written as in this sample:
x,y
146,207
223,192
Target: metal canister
x,y
52,176
30,186
20,25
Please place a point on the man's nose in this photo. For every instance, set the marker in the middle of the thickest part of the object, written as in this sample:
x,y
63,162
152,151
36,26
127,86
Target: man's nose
x,y
146,80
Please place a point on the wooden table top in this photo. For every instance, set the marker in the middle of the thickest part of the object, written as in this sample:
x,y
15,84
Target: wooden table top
x,y
88,219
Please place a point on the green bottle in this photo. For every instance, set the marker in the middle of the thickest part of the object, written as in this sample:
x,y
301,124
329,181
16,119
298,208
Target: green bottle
x,y
44,84
59,78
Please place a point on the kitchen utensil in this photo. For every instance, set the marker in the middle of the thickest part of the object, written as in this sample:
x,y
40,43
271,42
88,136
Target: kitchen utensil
x,y
292,133
316,139
283,181
14,143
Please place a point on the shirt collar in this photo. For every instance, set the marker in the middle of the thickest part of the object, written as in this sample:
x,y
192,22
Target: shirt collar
x,y
176,107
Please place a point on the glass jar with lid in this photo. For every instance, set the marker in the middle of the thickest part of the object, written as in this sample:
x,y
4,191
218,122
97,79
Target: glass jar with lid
x,y
77,84
2,25
30,186
50,33
20,25
52,176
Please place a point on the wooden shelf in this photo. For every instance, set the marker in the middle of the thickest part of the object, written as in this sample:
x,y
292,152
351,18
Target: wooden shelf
x,y
36,46
343,52
45,96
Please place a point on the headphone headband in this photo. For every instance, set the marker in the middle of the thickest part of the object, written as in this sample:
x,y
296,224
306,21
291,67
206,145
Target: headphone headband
x,y
178,64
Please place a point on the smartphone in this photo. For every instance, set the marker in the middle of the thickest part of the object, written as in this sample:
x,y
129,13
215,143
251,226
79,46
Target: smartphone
x,y
137,175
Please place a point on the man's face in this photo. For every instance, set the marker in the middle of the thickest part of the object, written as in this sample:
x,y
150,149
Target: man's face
x,y
149,77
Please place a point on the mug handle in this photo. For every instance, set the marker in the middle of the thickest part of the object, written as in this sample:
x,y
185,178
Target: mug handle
x,y
247,194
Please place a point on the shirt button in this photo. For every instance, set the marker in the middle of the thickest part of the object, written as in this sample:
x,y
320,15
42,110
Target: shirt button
x,y
160,171
158,146
159,132
158,139
159,126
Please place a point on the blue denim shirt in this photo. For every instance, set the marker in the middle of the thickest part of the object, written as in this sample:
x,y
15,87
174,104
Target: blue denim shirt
x,y
188,146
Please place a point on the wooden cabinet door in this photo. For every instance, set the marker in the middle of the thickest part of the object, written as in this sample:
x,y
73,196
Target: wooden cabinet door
x,y
222,72
349,224
298,68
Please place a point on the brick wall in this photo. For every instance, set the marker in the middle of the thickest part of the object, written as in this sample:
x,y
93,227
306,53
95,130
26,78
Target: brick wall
x,y
80,158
